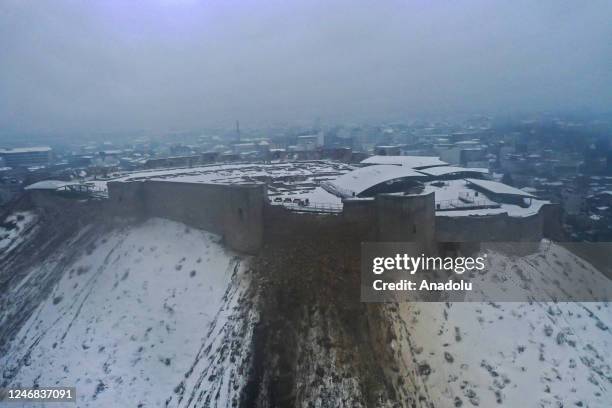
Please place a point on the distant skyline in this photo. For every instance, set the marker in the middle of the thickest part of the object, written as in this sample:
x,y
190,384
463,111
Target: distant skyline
x,y
115,65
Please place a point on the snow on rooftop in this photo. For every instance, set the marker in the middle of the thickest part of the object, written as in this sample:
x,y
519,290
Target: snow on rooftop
x,y
408,161
40,149
445,170
510,210
238,173
498,188
359,180
293,180
49,185
447,190
457,199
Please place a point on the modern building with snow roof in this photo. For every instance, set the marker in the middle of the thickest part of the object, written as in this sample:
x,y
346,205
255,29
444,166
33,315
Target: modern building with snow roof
x,y
453,171
61,187
500,191
50,185
413,162
460,198
376,179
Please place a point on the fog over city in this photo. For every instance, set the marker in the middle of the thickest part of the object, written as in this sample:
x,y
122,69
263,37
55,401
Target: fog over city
x,y
180,64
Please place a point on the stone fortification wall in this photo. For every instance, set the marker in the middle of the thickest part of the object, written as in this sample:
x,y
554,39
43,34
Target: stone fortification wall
x,y
232,211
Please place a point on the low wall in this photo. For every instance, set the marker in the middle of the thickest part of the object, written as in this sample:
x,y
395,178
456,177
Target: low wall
x,y
232,211
497,227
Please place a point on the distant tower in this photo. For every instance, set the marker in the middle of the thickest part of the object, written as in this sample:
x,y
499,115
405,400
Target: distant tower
x,y
238,130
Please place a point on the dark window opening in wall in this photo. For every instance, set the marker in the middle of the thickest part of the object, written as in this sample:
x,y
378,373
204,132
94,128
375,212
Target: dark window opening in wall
x,y
241,214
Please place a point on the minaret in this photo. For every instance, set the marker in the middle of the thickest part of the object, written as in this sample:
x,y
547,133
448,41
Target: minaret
x,y
238,130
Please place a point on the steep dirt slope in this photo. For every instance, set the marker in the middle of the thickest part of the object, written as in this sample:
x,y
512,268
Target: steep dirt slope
x,y
317,344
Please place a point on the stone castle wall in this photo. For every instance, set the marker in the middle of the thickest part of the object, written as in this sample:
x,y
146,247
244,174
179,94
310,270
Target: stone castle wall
x,y
232,211
243,216
484,228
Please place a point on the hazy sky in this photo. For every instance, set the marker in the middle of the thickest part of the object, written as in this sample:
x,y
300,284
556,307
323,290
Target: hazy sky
x,y
179,64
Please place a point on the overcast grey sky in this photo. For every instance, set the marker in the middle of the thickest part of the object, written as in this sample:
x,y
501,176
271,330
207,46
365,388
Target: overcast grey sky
x,y
168,64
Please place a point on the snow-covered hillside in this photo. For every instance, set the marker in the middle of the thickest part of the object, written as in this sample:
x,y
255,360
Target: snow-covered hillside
x,y
157,314
517,354
146,316
15,230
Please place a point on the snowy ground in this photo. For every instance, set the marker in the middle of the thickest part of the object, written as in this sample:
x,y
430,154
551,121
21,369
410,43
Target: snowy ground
x,y
146,317
515,354
16,228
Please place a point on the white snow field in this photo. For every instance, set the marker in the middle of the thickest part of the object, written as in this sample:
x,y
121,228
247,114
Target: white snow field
x,y
515,354
146,317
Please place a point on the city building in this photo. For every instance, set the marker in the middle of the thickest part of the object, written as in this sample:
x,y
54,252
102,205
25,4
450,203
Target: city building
x,y
26,156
